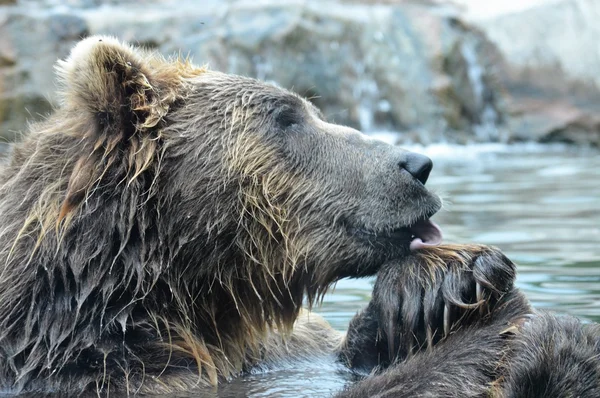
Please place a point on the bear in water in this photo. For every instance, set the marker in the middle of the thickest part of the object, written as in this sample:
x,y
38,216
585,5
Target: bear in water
x,y
162,228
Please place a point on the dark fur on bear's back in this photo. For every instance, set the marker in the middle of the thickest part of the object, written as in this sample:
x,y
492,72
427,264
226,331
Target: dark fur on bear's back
x,y
77,253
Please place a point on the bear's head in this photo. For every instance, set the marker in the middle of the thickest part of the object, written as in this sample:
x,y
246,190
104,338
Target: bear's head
x,y
185,191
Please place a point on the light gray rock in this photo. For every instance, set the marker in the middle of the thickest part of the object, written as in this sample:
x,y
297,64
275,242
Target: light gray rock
x,y
552,72
562,35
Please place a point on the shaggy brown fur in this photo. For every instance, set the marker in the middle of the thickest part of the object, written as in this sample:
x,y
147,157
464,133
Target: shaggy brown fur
x,y
162,228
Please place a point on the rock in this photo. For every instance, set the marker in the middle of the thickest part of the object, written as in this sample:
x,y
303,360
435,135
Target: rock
x,y
561,36
552,59
8,56
410,66
65,27
31,39
413,66
554,121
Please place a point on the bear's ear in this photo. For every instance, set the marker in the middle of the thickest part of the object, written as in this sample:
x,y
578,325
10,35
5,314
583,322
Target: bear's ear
x,y
118,94
123,89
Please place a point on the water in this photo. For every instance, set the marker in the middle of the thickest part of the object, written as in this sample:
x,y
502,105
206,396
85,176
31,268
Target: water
x,y
486,128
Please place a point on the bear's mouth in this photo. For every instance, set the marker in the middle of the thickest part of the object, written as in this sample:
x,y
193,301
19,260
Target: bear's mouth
x,y
420,235
425,233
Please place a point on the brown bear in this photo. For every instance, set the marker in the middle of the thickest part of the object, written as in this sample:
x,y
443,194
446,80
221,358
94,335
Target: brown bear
x,y
162,228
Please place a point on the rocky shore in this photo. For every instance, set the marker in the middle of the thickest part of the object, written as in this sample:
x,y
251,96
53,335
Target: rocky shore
x,y
413,67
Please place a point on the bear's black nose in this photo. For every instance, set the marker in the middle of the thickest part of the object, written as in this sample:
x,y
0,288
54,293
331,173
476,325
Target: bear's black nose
x,y
418,165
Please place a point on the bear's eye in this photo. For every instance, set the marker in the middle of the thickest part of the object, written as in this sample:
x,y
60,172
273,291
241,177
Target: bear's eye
x,y
287,117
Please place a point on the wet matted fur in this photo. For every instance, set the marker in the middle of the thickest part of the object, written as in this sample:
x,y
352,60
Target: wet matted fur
x,y
162,228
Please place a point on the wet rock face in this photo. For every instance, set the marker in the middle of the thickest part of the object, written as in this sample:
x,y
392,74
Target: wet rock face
x,y
560,35
30,43
378,65
410,66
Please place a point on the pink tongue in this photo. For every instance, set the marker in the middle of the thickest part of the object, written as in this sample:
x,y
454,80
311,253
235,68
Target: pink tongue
x,y
427,234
